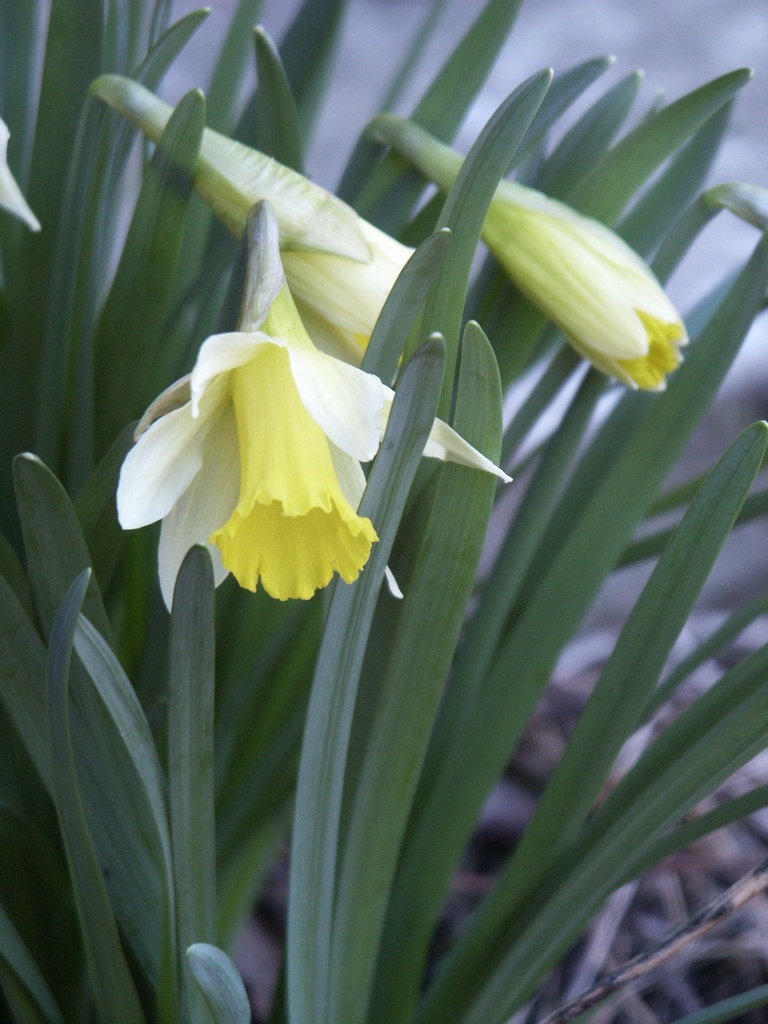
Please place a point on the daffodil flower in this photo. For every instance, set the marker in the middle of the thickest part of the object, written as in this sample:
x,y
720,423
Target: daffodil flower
x,y
339,267
11,197
590,282
580,273
258,453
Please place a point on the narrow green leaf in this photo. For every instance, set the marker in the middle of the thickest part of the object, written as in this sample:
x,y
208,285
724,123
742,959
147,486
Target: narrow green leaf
x,y
560,369
259,738
72,59
650,217
417,48
168,46
124,32
599,531
33,385
733,625
223,93
220,984
501,591
451,92
20,37
424,875
749,202
130,849
321,773
138,805
22,669
74,288
588,139
405,695
278,131
626,683
190,756
113,990
615,707
161,15
55,548
306,52
17,959
464,214
565,89
729,1009
442,108
36,894
82,268
681,236
696,827
13,573
128,348
97,512
403,304
724,729
618,176
366,153
653,544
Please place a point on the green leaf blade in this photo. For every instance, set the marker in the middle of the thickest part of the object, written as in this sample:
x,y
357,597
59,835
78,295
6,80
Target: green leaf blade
x,y
321,773
190,756
128,348
113,988
406,693
220,984
618,176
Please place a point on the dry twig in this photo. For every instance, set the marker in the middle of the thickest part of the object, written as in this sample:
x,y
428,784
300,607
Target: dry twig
x,y
712,914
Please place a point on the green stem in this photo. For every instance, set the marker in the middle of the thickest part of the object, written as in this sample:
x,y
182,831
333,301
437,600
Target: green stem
x,y
434,159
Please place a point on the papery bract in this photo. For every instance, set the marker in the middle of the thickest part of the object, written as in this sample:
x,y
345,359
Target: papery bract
x,y
339,267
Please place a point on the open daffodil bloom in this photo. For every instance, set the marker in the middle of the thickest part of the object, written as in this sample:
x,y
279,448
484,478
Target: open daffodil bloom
x,y
258,453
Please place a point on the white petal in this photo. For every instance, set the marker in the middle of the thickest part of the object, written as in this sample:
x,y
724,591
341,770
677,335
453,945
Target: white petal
x,y
220,353
444,443
11,196
158,469
204,507
394,589
329,337
345,402
350,475
347,294
174,397
163,463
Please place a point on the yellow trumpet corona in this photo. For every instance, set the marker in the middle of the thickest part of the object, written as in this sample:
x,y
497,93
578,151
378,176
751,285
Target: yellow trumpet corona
x,y
258,453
